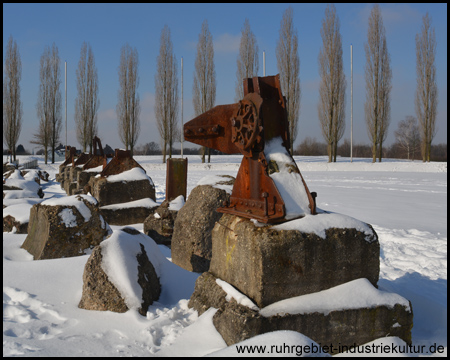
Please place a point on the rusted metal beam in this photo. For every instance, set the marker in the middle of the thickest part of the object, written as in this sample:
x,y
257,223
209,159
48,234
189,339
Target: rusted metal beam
x,y
71,155
176,178
98,157
81,159
213,129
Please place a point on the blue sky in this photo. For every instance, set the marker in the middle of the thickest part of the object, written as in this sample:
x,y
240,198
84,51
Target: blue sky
x,y
107,27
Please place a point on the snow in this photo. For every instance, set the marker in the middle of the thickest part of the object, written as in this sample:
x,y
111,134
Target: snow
x,y
120,264
95,169
177,203
74,200
16,174
404,201
236,295
20,194
68,218
317,224
134,174
215,181
19,208
277,343
31,175
29,187
359,293
289,183
146,202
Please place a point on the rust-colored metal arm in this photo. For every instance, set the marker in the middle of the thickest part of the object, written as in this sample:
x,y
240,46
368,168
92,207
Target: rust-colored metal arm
x,y
213,129
247,127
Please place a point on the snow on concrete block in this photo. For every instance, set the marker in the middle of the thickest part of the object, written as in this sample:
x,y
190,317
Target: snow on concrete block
x,y
64,227
133,212
119,275
127,186
349,314
159,225
15,186
16,214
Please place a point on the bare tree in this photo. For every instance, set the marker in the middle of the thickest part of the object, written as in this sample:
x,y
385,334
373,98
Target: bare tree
x,y
166,93
331,107
408,135
247,61
12,106
426,93
128,106
288,63
86,102
204,87
378,83
49,102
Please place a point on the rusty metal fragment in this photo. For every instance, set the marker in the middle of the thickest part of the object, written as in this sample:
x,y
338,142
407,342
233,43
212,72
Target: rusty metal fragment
x,y
98,157
176,178
122,161
71,155
81,159
247,127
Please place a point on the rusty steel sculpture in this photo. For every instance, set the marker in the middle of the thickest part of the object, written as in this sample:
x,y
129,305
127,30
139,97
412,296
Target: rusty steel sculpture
x,y
268,186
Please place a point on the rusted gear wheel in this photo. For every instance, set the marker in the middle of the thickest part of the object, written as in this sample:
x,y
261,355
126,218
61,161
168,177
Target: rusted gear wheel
x,y
245,126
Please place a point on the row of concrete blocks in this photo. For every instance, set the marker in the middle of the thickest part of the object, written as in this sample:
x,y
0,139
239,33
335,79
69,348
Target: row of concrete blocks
x,y
74,180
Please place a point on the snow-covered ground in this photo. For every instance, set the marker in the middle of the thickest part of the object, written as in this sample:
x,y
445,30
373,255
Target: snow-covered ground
x,y
406,203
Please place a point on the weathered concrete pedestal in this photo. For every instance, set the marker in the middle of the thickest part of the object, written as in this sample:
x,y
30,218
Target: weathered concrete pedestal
x,y
159,224
191,239
133,212
125,198
64,227
269,264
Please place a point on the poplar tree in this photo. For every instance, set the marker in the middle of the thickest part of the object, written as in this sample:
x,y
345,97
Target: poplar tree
x,y
128,104
247,61
166,93
12,106
288,63
377,107
204,86
86,102
49,102
331,107
426,92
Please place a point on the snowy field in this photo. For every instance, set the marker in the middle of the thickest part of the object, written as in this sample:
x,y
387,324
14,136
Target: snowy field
x,y
406,202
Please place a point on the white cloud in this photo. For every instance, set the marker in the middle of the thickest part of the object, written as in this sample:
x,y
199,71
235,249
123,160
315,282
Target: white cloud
x,y
227,43
393,15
